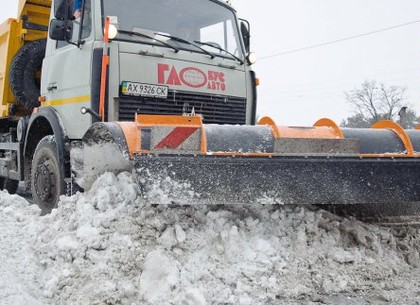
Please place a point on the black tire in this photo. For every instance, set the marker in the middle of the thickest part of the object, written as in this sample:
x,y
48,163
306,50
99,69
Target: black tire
x,y
8,184
25,71
47,182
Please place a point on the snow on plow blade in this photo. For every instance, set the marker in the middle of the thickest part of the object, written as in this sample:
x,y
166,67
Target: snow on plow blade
x,y
180,160
281,180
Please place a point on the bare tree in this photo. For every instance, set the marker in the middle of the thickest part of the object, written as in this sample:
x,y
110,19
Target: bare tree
x,y
410,119
373,102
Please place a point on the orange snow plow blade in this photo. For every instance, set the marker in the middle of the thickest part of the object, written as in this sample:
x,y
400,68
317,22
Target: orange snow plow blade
x,y
180,160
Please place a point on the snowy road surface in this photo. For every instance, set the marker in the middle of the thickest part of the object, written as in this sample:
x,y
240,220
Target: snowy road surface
x,y
107,247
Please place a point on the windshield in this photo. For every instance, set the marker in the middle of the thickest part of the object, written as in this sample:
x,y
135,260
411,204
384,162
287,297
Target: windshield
x,y
191,20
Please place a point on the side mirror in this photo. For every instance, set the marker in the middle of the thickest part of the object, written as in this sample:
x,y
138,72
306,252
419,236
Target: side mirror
x,y
246,35
61,30
63,9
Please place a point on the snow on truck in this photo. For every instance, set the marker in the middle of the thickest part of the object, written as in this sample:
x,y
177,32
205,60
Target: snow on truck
x,y
170,85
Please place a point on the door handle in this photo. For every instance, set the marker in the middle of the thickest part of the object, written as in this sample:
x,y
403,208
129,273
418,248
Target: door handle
x,y
52,87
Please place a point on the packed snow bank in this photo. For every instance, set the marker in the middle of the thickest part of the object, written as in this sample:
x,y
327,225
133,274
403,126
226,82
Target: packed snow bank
x,y
20,270
107,247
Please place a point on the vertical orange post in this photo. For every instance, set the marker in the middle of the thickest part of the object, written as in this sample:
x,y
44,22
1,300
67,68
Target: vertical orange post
x,y
105,63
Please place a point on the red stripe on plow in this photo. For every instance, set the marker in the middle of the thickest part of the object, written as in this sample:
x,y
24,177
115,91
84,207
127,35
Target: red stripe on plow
x,y
176,137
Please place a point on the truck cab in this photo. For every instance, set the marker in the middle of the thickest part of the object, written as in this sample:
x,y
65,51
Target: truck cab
x,y
165,57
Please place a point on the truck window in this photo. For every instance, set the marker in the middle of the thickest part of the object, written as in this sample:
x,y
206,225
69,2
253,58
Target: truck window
x,y
192,20
86,26
211,34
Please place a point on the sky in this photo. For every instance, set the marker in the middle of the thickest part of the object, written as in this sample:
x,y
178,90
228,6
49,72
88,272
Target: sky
x,y
298,88
8,8
301,87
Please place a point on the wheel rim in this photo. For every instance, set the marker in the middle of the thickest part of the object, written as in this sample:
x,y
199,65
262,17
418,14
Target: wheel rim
x,y
45,185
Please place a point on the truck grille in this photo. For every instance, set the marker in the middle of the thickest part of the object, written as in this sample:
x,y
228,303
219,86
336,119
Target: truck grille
x,y
215,109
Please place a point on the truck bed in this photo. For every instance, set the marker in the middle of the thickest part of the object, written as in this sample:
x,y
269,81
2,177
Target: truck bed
x,y
31,24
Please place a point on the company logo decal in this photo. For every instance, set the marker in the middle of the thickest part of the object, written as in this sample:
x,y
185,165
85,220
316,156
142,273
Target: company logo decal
x,y
191,77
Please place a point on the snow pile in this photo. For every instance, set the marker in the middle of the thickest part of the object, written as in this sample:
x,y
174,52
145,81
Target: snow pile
x,y
107,247
19,267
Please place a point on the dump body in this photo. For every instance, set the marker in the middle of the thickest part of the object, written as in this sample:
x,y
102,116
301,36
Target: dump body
x,y
31,24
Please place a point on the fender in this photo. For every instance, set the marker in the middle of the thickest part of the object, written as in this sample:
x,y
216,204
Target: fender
x,y
43,123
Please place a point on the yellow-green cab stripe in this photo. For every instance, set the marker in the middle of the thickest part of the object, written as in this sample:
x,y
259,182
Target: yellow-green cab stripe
x,y
72,100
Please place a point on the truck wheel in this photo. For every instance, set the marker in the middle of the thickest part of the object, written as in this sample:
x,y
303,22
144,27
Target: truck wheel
x,y
25,72
8,184
46,179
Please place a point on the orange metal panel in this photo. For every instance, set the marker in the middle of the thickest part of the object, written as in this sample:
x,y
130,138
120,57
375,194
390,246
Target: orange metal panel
x,y
269,121
399,131
323,129
132,130
330,123
175,121
391,156
307,132
105,63
237,154
132,136
169,120
203,142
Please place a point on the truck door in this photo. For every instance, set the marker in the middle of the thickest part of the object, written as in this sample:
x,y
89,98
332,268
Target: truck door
x,y
66,76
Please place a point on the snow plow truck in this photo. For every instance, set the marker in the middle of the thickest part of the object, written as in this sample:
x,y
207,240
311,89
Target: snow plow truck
x,y
170,85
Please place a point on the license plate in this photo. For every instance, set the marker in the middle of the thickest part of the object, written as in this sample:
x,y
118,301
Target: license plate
x,y
140,89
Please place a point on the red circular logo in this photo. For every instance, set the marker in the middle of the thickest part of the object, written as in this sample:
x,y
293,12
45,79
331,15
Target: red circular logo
x,y
193,77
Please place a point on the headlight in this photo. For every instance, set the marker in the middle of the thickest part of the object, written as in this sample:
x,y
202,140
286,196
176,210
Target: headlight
x,y
112,31
251,58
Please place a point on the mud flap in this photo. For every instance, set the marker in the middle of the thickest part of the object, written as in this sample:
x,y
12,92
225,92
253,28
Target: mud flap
x,y
185,179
